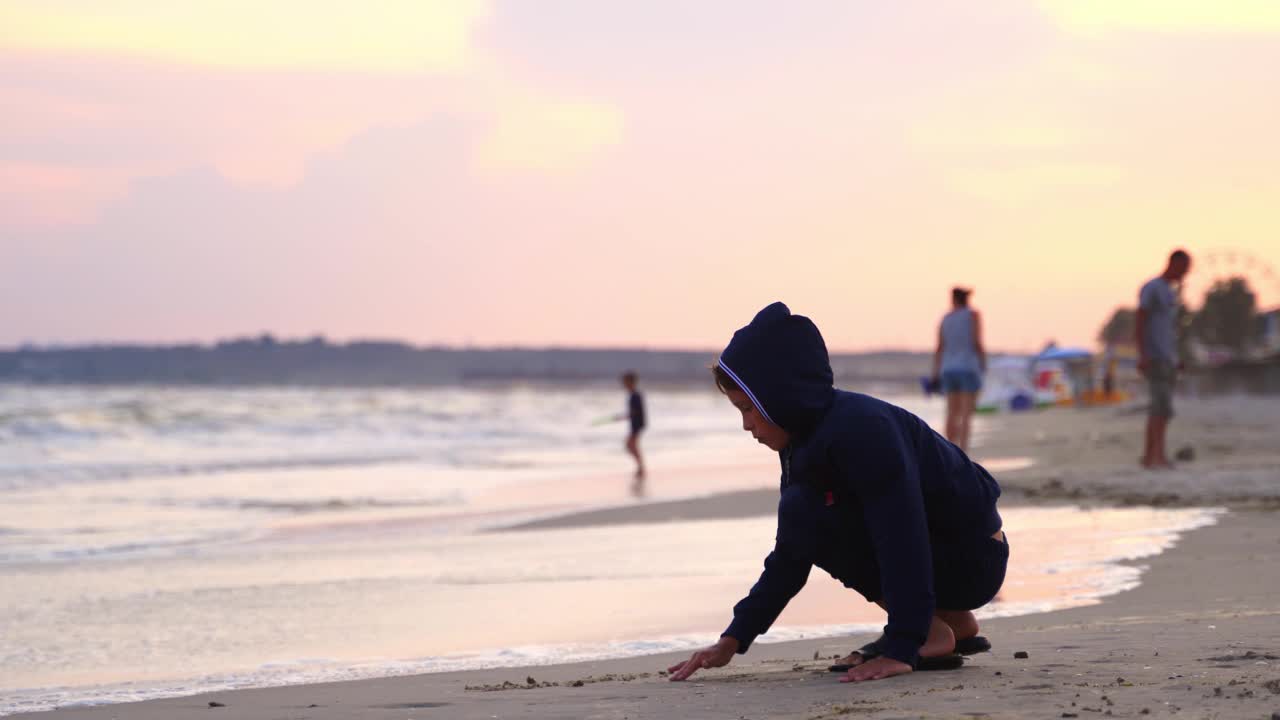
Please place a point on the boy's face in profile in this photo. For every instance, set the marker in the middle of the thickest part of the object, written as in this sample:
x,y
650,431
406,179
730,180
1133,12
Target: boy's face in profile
x,y
765,432
629,383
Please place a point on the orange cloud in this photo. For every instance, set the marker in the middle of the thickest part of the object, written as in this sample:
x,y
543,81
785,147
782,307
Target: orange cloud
x,y
1028,182
1167,15
547,134
388,35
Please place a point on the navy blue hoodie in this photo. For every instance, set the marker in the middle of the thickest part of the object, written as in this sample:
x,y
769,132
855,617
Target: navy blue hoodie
x,y
865,484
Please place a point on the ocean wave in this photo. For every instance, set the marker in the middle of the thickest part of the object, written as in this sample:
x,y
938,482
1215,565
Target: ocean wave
x,y
51,436
39,550
30,476
317,505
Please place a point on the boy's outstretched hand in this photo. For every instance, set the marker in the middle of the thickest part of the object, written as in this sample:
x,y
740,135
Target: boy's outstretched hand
x,y
717,655
877,669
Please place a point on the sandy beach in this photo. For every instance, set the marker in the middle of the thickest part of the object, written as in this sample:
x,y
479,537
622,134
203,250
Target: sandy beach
x,y
1199,637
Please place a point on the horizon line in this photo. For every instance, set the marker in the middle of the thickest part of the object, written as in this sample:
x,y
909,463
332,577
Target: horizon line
x,y
266,339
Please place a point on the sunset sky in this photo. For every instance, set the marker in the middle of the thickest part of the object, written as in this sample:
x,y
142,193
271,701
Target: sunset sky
x,y
578,172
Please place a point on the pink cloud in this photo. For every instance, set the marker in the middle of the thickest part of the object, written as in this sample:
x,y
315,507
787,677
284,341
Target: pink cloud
x,y
36,196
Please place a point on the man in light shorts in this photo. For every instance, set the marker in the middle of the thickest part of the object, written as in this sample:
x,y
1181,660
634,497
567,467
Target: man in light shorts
x,y
1157,338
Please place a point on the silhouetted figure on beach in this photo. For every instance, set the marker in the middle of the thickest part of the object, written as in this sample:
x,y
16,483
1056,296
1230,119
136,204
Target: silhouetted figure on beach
x,y
959,364
1157,339
636,417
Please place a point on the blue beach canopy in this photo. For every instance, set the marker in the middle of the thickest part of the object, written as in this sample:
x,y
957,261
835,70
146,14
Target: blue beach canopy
x,y
1065,354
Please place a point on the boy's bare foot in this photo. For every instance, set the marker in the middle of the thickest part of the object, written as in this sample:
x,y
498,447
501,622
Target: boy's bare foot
x,y
941,641
963,624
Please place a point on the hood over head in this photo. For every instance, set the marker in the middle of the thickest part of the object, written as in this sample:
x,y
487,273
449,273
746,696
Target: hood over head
x,y
780,361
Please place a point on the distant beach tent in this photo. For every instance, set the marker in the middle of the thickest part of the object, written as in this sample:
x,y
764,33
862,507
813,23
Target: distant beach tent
x,y
1055,377
1074,370
1065,354
1010,384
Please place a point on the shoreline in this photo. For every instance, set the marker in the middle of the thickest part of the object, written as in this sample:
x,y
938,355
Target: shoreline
x,y
1166,646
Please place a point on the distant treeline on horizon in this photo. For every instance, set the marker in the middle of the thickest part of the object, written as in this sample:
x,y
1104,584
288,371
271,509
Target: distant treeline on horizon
x,y
267,361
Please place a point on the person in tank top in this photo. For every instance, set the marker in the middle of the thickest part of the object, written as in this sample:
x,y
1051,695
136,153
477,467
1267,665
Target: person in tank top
x,y
959,364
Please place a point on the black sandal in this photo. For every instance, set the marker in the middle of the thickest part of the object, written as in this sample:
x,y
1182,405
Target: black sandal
x,y
973,646
870,651
873,650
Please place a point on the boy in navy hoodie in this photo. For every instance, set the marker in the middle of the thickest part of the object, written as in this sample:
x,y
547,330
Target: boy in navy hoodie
x,y
871,495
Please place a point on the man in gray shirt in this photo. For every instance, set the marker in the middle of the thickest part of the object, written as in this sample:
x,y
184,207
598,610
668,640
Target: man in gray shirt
x,y
1157,337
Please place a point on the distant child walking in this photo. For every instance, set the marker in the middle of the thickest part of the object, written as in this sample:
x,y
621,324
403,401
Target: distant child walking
x,y
635,415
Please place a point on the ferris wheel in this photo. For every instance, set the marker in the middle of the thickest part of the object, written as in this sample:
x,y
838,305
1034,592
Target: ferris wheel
x,y
1221,264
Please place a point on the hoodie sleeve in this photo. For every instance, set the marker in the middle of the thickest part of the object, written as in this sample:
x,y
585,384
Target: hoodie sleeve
x,y
785,570
883,472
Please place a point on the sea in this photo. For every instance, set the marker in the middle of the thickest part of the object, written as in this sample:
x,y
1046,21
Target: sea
x,y
162,541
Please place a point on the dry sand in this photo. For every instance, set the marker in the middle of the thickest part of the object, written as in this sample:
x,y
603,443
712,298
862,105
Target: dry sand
x,y
1199,638
1092,454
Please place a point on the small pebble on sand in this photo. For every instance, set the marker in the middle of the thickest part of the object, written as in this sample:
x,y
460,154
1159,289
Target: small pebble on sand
x,y
1021,655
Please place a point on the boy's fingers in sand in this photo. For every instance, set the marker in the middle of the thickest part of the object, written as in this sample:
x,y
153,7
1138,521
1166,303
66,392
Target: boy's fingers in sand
x,y
711,657
680,671
877,669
